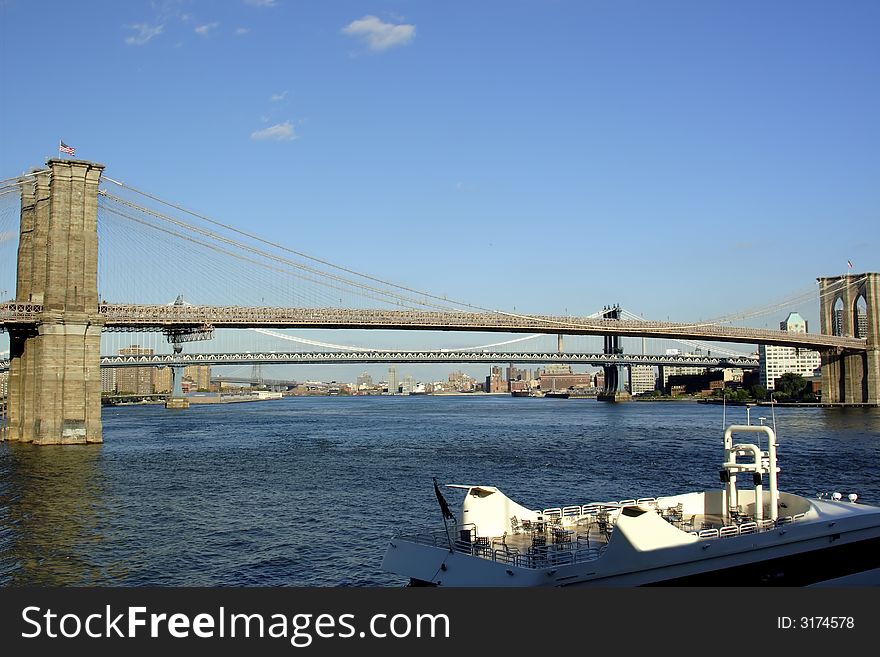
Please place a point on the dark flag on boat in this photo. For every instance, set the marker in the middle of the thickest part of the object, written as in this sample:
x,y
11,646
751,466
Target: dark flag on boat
x,y
444,507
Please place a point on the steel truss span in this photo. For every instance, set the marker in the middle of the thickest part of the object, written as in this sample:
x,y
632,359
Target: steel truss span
x,y
441,356
131,317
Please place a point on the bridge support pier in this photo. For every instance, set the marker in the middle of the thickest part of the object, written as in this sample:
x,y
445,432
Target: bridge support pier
x,y
176,398
615,375
850,306
54,371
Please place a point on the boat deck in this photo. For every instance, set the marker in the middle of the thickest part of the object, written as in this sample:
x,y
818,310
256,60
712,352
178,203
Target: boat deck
x,y
560,540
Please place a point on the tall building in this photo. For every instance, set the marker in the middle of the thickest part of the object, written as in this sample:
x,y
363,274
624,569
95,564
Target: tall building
x,y
135,380
200,375
516,374
162,379
393,383
108,379
364,380
642,378
461,381
495,381
774,361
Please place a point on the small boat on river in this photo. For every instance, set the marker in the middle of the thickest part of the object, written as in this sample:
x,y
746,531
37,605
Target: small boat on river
x,y
747,533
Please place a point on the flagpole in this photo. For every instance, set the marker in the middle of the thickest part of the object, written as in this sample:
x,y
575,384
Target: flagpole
x,y
445,512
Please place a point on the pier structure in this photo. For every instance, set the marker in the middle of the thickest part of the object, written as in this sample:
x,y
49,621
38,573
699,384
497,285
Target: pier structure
x,y
849,306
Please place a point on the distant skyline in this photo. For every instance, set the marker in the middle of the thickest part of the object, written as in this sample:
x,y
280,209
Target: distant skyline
x,y
686,160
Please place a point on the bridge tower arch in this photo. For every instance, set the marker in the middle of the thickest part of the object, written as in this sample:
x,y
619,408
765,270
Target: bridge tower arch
x,y
849,306
54,392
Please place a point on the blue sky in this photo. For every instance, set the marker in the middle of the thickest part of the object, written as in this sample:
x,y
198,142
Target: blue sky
x,y
685,159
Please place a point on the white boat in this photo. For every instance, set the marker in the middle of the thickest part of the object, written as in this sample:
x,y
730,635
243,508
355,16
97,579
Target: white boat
x,y
710,538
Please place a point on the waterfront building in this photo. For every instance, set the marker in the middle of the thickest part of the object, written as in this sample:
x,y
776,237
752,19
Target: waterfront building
x,y
642,378
515,374
200,375
393,384
108,379
559,376
678,370
135,380
462,382
495,381
162,380
774,361
364,381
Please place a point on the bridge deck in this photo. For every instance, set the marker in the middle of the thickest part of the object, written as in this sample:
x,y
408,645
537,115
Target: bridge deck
x,y
128,317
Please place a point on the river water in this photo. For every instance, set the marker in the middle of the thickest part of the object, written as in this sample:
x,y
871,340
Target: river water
x,y
306,491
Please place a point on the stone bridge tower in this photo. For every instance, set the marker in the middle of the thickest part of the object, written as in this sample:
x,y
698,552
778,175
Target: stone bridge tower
x,y
850,306
54,374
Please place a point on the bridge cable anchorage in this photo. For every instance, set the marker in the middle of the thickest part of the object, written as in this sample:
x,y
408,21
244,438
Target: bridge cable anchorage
x,y
446,302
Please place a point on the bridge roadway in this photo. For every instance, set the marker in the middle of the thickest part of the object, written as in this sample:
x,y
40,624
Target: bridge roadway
x,y
131,317
416,356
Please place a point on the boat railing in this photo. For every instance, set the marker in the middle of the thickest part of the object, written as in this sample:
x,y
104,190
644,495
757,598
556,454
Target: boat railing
x,y
745,528
464,539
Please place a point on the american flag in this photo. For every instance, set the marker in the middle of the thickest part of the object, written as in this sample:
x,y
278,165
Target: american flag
x,y
64,148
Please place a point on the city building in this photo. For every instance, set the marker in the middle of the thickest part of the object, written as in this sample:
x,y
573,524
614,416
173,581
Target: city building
x,y
108,379
642,378
393,383
516,374
462,382
665,371
135,380
495,381
199,375
162,379
557,376
774,361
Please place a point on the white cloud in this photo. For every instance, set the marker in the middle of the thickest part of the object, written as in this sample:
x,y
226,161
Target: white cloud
x,y
379,35
204,30
144,33
277,98
277,132
239,31
260,3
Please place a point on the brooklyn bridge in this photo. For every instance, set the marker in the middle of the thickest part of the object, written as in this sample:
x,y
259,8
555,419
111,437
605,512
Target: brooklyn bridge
x,y
56,318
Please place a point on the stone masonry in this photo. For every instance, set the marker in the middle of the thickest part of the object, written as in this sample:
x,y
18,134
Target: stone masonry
x,y
54,375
